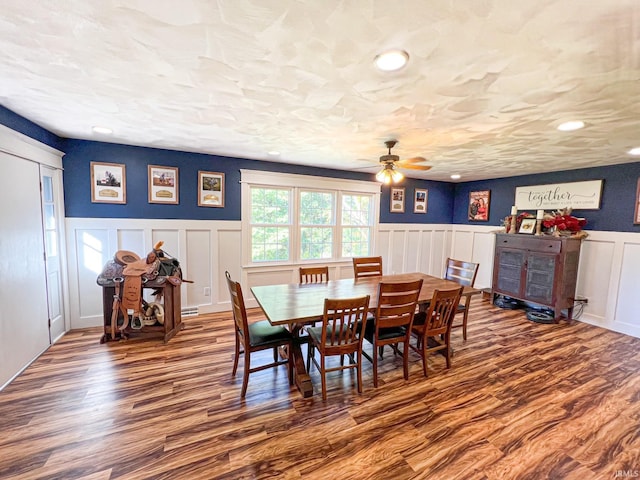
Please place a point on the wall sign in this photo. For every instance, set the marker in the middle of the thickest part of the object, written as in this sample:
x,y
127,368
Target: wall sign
x,y
577,195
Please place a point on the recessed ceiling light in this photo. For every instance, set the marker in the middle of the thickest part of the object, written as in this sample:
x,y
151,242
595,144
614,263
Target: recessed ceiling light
x,y
391,60
273,153
570,126
102,130
455,176
634,151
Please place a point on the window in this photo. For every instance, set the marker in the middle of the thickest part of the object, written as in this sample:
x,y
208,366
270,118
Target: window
x,y
356,221
296,218
317,222
270,224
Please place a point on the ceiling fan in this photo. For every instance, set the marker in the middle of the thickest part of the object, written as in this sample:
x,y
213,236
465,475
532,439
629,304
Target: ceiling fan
x,y
389,162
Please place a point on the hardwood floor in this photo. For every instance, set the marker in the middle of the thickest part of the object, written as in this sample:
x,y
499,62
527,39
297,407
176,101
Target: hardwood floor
x,y
521,401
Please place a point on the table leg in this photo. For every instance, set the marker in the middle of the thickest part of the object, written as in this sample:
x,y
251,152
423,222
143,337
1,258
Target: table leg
x,y
300,375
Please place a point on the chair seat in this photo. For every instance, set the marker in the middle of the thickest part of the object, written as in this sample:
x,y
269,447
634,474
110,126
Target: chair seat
x,y
383,333
263,333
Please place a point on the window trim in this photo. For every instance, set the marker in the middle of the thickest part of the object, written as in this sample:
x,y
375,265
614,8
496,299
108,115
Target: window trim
x,y
259,178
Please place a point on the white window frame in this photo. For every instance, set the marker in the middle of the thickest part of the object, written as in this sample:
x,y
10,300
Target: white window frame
x,y
257,178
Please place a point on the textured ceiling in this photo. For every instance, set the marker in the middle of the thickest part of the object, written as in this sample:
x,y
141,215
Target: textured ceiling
x,y
486,85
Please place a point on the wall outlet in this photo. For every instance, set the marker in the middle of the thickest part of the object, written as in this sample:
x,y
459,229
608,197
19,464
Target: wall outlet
x,y
582,300
206,291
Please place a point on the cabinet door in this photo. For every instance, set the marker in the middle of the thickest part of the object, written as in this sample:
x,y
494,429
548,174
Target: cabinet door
x,y
510,268
540,278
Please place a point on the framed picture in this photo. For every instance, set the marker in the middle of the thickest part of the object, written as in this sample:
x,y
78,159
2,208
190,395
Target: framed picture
x,y
636,216
528,225
210,189
397,199
479,205
163,184
108,183
420,201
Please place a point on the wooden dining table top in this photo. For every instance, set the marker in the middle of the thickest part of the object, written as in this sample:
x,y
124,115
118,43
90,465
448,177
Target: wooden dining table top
x,y
304,303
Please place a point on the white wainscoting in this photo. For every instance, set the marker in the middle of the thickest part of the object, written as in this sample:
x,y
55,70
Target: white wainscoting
x,y
608,274
204,248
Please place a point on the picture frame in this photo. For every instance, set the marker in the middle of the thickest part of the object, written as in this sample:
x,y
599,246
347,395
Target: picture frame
x,y
636,215
163,184
108,183
397,200
210,189
528,226
479,203
420,200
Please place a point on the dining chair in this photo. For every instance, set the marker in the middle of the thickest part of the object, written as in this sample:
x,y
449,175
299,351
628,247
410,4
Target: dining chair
x,y
392,321
253,337
463,273
314,274
367,266
432,328
341,332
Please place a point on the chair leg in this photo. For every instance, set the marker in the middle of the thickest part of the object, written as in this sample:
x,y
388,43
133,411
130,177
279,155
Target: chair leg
x,y
424,356
375,365
464,324
323,377
245,378
309,355
448,344
359,369
275,354
405,358
290,365
235,359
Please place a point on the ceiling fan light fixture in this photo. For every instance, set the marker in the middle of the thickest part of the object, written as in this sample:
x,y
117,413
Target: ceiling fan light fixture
x,y
389,174
391,60
571,126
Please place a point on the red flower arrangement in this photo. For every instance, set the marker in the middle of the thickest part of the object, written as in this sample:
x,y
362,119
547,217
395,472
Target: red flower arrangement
x,y
564,222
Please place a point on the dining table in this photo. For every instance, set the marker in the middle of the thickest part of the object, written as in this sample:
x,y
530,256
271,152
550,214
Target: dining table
x,y
295,305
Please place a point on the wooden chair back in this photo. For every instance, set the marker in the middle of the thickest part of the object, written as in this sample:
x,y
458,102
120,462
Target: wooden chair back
x,y
341,334
442,309
314,274
463,273
433,329
397,304
238,310
367,266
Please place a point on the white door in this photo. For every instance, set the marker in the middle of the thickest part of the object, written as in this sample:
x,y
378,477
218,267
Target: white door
x,y
51,212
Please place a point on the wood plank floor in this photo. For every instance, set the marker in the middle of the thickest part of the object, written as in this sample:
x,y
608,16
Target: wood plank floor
x,y
522,401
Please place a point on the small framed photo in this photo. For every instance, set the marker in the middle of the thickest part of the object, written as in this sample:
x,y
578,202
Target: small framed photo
x,y
108,183
636,216
163,184
528,225
210,189
420,201
397,199
479,205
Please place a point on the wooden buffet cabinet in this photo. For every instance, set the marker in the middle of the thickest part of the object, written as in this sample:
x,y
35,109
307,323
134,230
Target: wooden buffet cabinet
x,y
539,269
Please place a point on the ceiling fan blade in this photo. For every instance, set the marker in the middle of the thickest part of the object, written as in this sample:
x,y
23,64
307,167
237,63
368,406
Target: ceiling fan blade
x,y
408,166
412,160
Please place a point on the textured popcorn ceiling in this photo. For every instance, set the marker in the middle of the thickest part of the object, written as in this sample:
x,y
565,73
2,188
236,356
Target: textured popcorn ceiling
x,y
487,82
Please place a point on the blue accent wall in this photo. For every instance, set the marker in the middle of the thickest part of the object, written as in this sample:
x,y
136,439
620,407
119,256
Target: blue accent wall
x,y
447,202
28,128
617,202
77,184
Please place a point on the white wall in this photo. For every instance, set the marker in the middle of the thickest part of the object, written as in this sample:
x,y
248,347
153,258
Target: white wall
x,y
607,276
